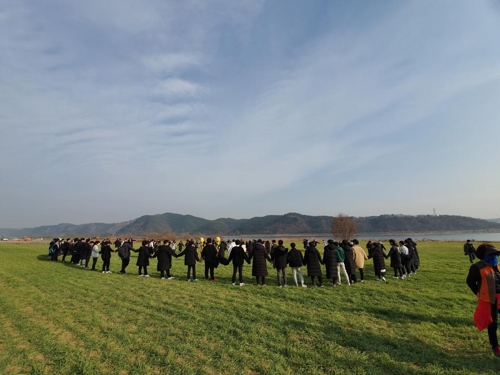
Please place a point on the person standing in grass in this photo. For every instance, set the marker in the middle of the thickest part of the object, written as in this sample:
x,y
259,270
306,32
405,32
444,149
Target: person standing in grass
x,y
350,266
341,265
258,255
470,251
238,256
95,253
484,281
164,255
415,256
396,263
278,257
66,249
330,261
312,260
54,249
143,258
124,254
190,254
106,251
295,260
359,258
209,256
376,253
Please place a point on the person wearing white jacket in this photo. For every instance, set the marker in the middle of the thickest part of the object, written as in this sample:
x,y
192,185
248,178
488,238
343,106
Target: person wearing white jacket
x,y
95,254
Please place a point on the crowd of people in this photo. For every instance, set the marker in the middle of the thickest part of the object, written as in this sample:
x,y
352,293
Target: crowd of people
x,y
341,260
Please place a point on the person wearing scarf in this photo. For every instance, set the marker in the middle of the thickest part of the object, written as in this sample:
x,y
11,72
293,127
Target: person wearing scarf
x,y
484,281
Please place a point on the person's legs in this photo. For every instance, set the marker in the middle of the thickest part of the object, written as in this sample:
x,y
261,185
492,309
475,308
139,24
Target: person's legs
x,y
146,271
233,279
492,328
206,270
301,277
320,279
263,280
278,276
240,273
212,269
194,271
361,274
94,262
294,274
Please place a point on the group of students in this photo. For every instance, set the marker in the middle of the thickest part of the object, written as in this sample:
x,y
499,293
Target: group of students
x,y
340,259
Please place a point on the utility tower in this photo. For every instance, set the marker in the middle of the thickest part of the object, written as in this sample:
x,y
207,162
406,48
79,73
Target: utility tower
x,y
435,213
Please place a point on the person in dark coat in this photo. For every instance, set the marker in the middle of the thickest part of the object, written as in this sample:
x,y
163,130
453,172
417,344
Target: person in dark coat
x,y
190,254
414,254
54,249
124,254
164,255
376,253
295,260
180,246
75,254
259,254
278,257
106,255
210,257
143,258
88,252
66,249
470,251
238,256
312,259
330,261
350,266
396,263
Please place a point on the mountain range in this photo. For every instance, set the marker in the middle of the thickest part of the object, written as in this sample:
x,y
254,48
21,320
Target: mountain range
x,y
289,224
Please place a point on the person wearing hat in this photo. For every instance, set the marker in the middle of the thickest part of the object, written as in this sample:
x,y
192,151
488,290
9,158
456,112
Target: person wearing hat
x,y
484,281
470,251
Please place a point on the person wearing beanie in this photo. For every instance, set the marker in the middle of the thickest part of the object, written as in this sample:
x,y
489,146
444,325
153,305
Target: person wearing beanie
x,y
483,280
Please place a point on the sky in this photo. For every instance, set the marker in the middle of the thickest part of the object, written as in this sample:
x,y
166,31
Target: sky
x,y
110,110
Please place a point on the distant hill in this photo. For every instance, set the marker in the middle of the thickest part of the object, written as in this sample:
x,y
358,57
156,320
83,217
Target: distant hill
x,y
495,220
291,223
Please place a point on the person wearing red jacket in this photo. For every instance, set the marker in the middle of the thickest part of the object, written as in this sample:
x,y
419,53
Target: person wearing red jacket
x,y
484,281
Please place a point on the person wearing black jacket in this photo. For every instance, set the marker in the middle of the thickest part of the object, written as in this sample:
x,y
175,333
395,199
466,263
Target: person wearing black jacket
x,y
278,257
106,255
350,266
124,254
164,254
238,256
396,262
209,256
190,258
143,258
295,260
66,249
330,261
258,255
313,261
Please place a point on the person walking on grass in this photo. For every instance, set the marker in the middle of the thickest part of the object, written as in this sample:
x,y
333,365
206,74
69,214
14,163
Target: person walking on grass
x,y
278,257
350,266
470,251
209,256
396,263
164,254
143,258
484,281
376,252
341,265
95,253
359,258
238,256
330,260
124,254
312,259
258,255
190,254
106,251
295,260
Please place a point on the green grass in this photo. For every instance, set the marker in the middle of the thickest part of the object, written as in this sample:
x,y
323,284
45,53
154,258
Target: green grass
x,y
58,319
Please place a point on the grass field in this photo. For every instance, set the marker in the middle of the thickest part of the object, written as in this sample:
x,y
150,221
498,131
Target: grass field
x,y
59,319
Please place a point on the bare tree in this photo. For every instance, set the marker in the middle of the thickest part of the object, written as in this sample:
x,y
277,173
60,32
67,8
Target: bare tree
x,y
343,227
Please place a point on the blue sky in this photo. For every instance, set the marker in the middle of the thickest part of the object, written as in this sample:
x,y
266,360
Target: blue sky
x,y
114,109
